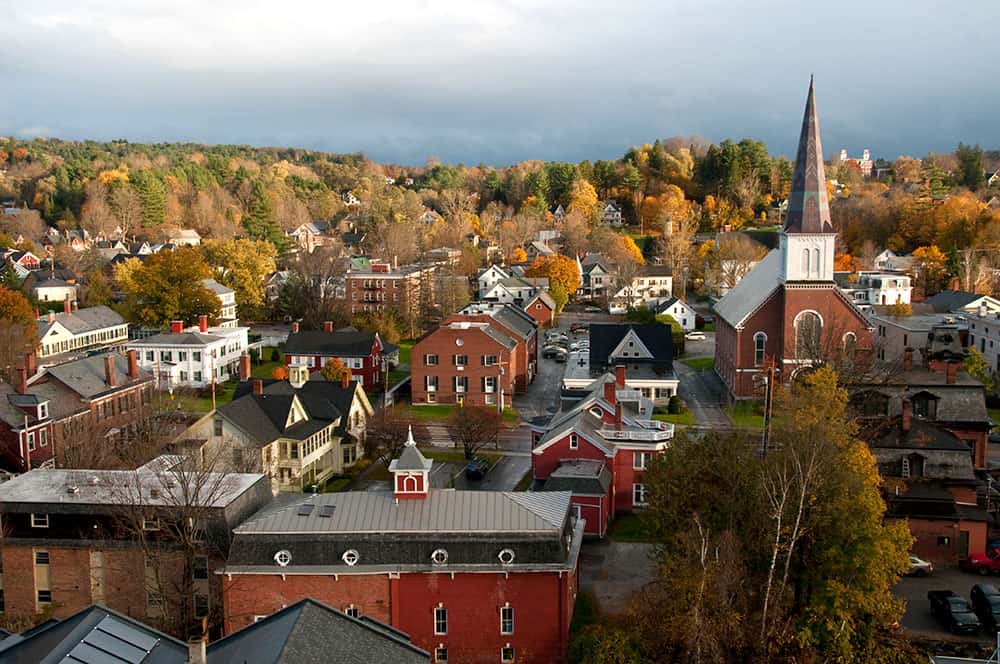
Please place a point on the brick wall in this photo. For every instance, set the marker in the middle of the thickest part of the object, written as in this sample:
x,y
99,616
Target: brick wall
x,y
475,344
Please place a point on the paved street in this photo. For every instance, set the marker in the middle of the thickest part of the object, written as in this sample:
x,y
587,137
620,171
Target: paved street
x,y
702,391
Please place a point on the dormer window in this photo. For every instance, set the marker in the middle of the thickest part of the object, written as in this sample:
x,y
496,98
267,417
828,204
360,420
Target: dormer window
x,y
925,406
43,410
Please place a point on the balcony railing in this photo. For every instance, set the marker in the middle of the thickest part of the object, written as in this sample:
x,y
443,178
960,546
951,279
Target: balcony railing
x,y
643,435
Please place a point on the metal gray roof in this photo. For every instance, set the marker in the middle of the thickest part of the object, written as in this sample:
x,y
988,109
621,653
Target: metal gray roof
x,y
440,511
86,376
411,459
83,320
216,287
182,339
308,632
752,290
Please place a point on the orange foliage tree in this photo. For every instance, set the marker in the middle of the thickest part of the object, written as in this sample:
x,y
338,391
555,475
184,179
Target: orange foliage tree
x,y
18,328
334,370
559,269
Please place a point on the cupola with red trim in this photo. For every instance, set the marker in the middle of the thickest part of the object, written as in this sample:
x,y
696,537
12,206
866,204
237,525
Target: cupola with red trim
x,y
411,471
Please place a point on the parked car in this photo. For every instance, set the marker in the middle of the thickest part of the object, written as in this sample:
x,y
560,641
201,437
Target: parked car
x,y
953,612
919,566
579,328
552,351
556,336
476,469
695,336
985,599
561,358
982,563
591,309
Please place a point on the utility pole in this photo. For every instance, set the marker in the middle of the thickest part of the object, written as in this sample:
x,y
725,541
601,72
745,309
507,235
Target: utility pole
x,y
768,398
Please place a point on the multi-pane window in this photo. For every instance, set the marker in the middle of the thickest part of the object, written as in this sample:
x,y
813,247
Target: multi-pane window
x,y
574,441
638,494
440,654
352,611
640,460
506,620
507,654
460,360
217,427
44,596
440,620
39,520
759,343
489,360
199,567
41,557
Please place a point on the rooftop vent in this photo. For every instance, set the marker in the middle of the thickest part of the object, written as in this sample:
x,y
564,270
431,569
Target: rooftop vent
x,y
154,493
72,489
305,509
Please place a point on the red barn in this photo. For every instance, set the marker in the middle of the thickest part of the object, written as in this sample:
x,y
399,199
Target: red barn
x,y
361,352
474,576
788,309
599,450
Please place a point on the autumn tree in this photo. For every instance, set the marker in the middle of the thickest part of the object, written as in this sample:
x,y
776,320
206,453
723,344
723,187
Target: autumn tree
x,y
474,427
18,329
168,287
334,370
583,200
558,269
386,434
519,255
932,268
979,368
243,265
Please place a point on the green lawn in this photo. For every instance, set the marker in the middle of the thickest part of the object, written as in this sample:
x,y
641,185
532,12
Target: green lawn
x,y
709,327
746,414
584,612
191,403
336,484
629,528
994,414
701,363
265,370
511,416
525,482
396,377
431,411
405,348
686,418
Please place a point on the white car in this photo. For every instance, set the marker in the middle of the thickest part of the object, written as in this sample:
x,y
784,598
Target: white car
x,y
591,309
695,336
919,566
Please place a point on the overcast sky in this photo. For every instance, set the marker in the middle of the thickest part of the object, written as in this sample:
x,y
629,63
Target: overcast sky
x,y
499,81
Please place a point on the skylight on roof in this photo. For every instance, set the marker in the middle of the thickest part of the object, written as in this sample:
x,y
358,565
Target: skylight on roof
x,y
305,509
326,510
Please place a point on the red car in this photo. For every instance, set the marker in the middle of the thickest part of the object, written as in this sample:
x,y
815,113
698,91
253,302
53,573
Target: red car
x,y
982,563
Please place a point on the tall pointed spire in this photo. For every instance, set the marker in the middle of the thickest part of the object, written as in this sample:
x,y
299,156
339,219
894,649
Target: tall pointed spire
x,y
808,205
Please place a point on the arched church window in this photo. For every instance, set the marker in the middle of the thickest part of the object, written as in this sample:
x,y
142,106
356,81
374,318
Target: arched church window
x,y
759,345
816,266
850,344
808,330
805,262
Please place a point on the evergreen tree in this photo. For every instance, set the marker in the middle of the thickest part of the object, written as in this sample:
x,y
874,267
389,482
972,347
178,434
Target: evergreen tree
x,y
970,165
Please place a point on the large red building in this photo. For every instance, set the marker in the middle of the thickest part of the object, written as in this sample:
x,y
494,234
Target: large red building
x,y
471,576
361,352
788,310
599,450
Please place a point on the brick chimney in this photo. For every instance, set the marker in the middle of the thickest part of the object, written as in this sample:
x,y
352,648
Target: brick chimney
x,y
609,392
907,415
67,305
244,367
328,326
951,372
620,375
295,328
907,359
133,364
52,316
618,417
29,363
109,370
203,323
22,381
258,387
176,326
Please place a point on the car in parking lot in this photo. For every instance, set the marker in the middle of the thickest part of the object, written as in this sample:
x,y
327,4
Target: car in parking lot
x,y
982,563
985,600
953,611
591,309
579,328
552,351
919,566
476,469
695,336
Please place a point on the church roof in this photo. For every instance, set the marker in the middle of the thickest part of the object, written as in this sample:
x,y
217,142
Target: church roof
x,y
752,290
808,206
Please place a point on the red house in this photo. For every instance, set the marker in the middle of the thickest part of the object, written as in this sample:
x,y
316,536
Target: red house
x,y
542,308
470,576
599,450
788,310
516,324
362,352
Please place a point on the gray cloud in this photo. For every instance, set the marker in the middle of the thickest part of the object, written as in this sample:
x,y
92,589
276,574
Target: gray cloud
x,y
500,80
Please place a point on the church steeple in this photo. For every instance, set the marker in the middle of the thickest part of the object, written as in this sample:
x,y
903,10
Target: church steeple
x,y
808,205
807,240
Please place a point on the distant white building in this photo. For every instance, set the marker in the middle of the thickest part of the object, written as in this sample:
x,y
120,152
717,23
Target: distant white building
x,y
865,163
192,357
611,214
80,331
184,237
227,302
879,288
679,310
889,260
652,285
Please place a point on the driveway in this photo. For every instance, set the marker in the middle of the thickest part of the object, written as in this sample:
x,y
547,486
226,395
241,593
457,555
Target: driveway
x,y
503,476
615,571
918,619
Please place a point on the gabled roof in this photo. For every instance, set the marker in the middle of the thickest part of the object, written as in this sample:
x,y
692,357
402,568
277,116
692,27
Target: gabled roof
x,y
341,343
808,206
545,298
664,306
82,321
265,416
605,338
953,300
95,634
308,632
752,290
655,271
216,287
316,395
86,376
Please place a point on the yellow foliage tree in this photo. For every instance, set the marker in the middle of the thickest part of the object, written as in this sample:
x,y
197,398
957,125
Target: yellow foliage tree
x,y
115,176
629,250
583,199
558,269
519,255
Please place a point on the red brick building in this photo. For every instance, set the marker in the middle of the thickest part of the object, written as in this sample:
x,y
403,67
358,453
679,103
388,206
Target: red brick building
x,y
788,310
542,308
72,538
382,287
46,416
599,450
471,576
362,352
462,362
518,325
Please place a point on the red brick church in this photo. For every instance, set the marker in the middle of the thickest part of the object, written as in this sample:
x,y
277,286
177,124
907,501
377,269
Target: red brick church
x,y
788,310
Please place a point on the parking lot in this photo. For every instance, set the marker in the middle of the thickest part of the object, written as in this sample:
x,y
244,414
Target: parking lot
x,y
918,619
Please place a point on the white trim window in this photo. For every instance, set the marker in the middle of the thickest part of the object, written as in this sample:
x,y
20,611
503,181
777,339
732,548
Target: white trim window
x,y
574,441
640,460
507,619
440,654
507,654
639,494
759,347
440,620
39,520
